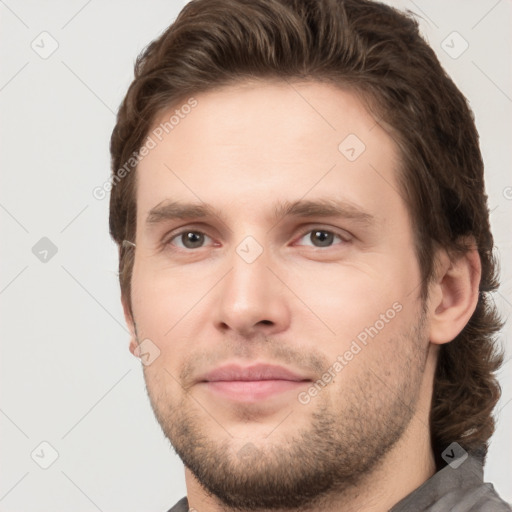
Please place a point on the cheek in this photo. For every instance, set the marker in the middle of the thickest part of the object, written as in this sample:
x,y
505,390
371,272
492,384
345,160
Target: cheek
x,y
157,312
344,300
157,303
167,305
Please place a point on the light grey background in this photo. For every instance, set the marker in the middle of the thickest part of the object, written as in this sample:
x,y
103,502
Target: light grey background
x,y
67,377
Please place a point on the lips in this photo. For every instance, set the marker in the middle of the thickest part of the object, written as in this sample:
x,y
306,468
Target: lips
x,y
251,383
251,373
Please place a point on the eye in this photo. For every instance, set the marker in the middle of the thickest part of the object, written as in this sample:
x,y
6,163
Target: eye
x,y
319,238
189,239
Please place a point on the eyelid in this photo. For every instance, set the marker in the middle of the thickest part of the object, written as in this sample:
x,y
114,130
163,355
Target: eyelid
x,y
175,233
344,235
197,227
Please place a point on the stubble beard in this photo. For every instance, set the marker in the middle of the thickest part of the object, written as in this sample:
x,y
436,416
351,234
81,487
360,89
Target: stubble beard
x,y
348,435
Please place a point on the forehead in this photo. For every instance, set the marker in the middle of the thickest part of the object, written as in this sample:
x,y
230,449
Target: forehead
x,y
294,111
255,142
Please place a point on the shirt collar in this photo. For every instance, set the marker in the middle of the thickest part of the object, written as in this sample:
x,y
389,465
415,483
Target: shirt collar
x,y
460,479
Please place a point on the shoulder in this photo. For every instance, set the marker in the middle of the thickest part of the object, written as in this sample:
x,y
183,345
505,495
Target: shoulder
x,y
181,506
486,499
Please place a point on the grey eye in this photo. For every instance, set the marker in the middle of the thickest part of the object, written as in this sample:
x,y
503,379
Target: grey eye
x,y
189,239
321,238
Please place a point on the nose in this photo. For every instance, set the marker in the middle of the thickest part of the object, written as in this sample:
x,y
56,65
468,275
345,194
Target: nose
x,y
252,299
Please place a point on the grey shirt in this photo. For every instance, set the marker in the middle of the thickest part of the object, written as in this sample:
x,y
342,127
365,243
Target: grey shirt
x,y
456,490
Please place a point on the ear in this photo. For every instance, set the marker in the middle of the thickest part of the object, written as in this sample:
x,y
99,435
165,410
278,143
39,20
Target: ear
x,y
130,323
453,294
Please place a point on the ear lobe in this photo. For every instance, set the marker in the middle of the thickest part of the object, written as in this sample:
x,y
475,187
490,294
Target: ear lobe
x,y
454,295
132,347
131,325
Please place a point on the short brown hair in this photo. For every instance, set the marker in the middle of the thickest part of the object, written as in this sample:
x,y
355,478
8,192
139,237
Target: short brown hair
x,y
377,52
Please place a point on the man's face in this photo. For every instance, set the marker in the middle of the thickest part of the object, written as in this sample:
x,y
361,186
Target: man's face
x,y
275,275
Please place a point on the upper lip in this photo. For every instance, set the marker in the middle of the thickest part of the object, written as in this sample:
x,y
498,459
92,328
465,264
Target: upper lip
x,y
232,372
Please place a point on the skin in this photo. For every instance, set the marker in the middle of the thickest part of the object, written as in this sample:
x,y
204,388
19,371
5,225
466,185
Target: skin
x,y
363,440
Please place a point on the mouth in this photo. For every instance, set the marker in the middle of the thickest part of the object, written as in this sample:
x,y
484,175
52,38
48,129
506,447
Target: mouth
x,y
252,383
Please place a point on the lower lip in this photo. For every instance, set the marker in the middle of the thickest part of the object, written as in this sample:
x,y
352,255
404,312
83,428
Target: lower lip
x,y
252,390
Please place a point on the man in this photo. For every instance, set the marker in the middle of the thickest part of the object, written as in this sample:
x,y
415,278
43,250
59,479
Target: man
x,y
305,260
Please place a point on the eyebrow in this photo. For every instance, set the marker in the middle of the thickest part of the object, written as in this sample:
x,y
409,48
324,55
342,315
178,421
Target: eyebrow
x,y
323,208
171,210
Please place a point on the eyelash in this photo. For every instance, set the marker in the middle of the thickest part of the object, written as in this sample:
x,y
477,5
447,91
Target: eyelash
x,y
168,241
